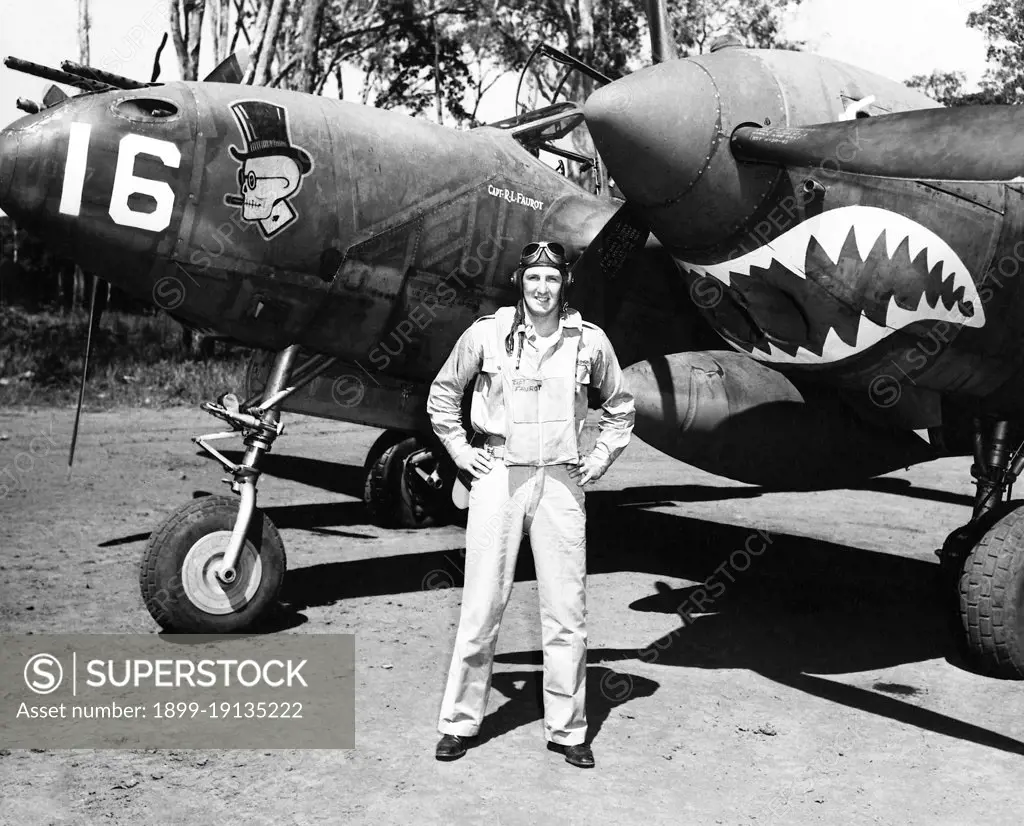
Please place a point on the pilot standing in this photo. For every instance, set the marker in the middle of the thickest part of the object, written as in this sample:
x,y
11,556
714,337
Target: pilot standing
x,y
532,364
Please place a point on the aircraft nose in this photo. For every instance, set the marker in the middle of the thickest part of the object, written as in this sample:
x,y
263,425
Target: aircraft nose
x,y
8,159
25,168
656,130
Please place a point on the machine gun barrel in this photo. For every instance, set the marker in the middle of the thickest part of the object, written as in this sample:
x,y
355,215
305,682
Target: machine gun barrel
x,y
101,76
56,75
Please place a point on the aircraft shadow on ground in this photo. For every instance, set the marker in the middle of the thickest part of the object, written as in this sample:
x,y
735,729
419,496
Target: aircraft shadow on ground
x,y
802,604
317,473
904,487
802,607
799,608
326,518
322,518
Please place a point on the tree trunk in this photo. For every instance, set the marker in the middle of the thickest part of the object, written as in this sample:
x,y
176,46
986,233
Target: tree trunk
x,y
187,33
195,36
269,44
309,37
240,27
437,73
220,27
83,32
586,30
256,44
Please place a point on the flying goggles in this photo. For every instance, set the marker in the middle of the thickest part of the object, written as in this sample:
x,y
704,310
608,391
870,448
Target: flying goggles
x,y
542,253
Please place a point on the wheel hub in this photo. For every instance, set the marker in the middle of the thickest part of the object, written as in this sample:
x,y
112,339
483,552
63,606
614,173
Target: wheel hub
x,y
209,592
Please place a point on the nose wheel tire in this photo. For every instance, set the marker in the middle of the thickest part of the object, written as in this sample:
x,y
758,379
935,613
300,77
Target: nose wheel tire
x,y
179,572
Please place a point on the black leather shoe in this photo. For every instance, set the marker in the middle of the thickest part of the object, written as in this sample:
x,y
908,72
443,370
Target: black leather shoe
x,y
579,755
450,747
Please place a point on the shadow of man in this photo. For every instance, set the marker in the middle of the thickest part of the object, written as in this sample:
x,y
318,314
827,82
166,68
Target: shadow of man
x,y
606,689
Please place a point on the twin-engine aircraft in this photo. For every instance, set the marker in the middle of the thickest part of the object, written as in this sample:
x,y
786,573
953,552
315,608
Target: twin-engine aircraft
x,y
812,276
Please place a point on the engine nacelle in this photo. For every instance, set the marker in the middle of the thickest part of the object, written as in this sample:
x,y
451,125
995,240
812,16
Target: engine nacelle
x,y
732,416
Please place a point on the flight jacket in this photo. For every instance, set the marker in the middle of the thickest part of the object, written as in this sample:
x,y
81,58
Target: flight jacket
x,y
581,357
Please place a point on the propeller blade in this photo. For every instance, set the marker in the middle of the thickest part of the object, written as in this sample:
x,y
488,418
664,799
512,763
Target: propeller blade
x,y
594,273
964,143
156,59
94,323
231,69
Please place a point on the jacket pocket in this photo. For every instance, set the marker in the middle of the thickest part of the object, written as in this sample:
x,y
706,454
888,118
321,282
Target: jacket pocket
x,y
488,374
556,399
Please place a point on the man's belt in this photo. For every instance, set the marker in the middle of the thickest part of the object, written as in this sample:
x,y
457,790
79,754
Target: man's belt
x,y
494,445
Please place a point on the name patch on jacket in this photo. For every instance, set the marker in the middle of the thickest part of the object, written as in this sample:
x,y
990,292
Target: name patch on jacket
x,y
525,385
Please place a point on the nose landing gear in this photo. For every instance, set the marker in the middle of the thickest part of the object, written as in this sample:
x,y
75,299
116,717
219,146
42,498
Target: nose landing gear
x,y
217,564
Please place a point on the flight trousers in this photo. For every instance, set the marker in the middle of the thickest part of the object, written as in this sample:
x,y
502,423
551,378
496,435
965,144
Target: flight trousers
x,y
548,504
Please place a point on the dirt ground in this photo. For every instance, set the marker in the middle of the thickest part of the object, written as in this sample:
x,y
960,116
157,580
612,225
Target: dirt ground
x,y
818,688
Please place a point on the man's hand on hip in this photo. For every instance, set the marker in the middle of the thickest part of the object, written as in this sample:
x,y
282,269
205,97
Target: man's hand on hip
x,y
476,461
590,469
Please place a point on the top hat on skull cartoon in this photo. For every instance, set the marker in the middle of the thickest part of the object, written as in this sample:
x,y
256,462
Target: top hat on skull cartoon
x,y
265,129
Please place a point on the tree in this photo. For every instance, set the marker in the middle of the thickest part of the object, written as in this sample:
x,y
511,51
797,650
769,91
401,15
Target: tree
x,y
310,18
72,274
420,61
220,12
481,42
1002,23
611,36
186,19
945,87
264,43
756,23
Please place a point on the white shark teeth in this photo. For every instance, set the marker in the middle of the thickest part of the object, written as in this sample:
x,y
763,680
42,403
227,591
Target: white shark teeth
x,y
917,240
830,231
802,356
866,233
897,318
790,250
761,257
868,334
833,344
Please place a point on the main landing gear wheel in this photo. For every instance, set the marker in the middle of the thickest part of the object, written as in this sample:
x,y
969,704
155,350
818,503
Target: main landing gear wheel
x,y
989,595
983,561
407,485
178,575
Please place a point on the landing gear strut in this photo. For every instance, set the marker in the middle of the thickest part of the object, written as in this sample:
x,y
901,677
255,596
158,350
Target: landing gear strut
x,y
983,562
217,564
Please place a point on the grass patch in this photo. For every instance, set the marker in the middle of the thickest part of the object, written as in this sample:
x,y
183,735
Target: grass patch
x,y
137,361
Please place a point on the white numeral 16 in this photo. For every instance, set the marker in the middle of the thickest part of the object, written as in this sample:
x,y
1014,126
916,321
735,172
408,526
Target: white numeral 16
x,y
126,183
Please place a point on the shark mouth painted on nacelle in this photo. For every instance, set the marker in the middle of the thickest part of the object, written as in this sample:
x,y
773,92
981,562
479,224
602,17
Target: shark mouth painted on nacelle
x,y
831,231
